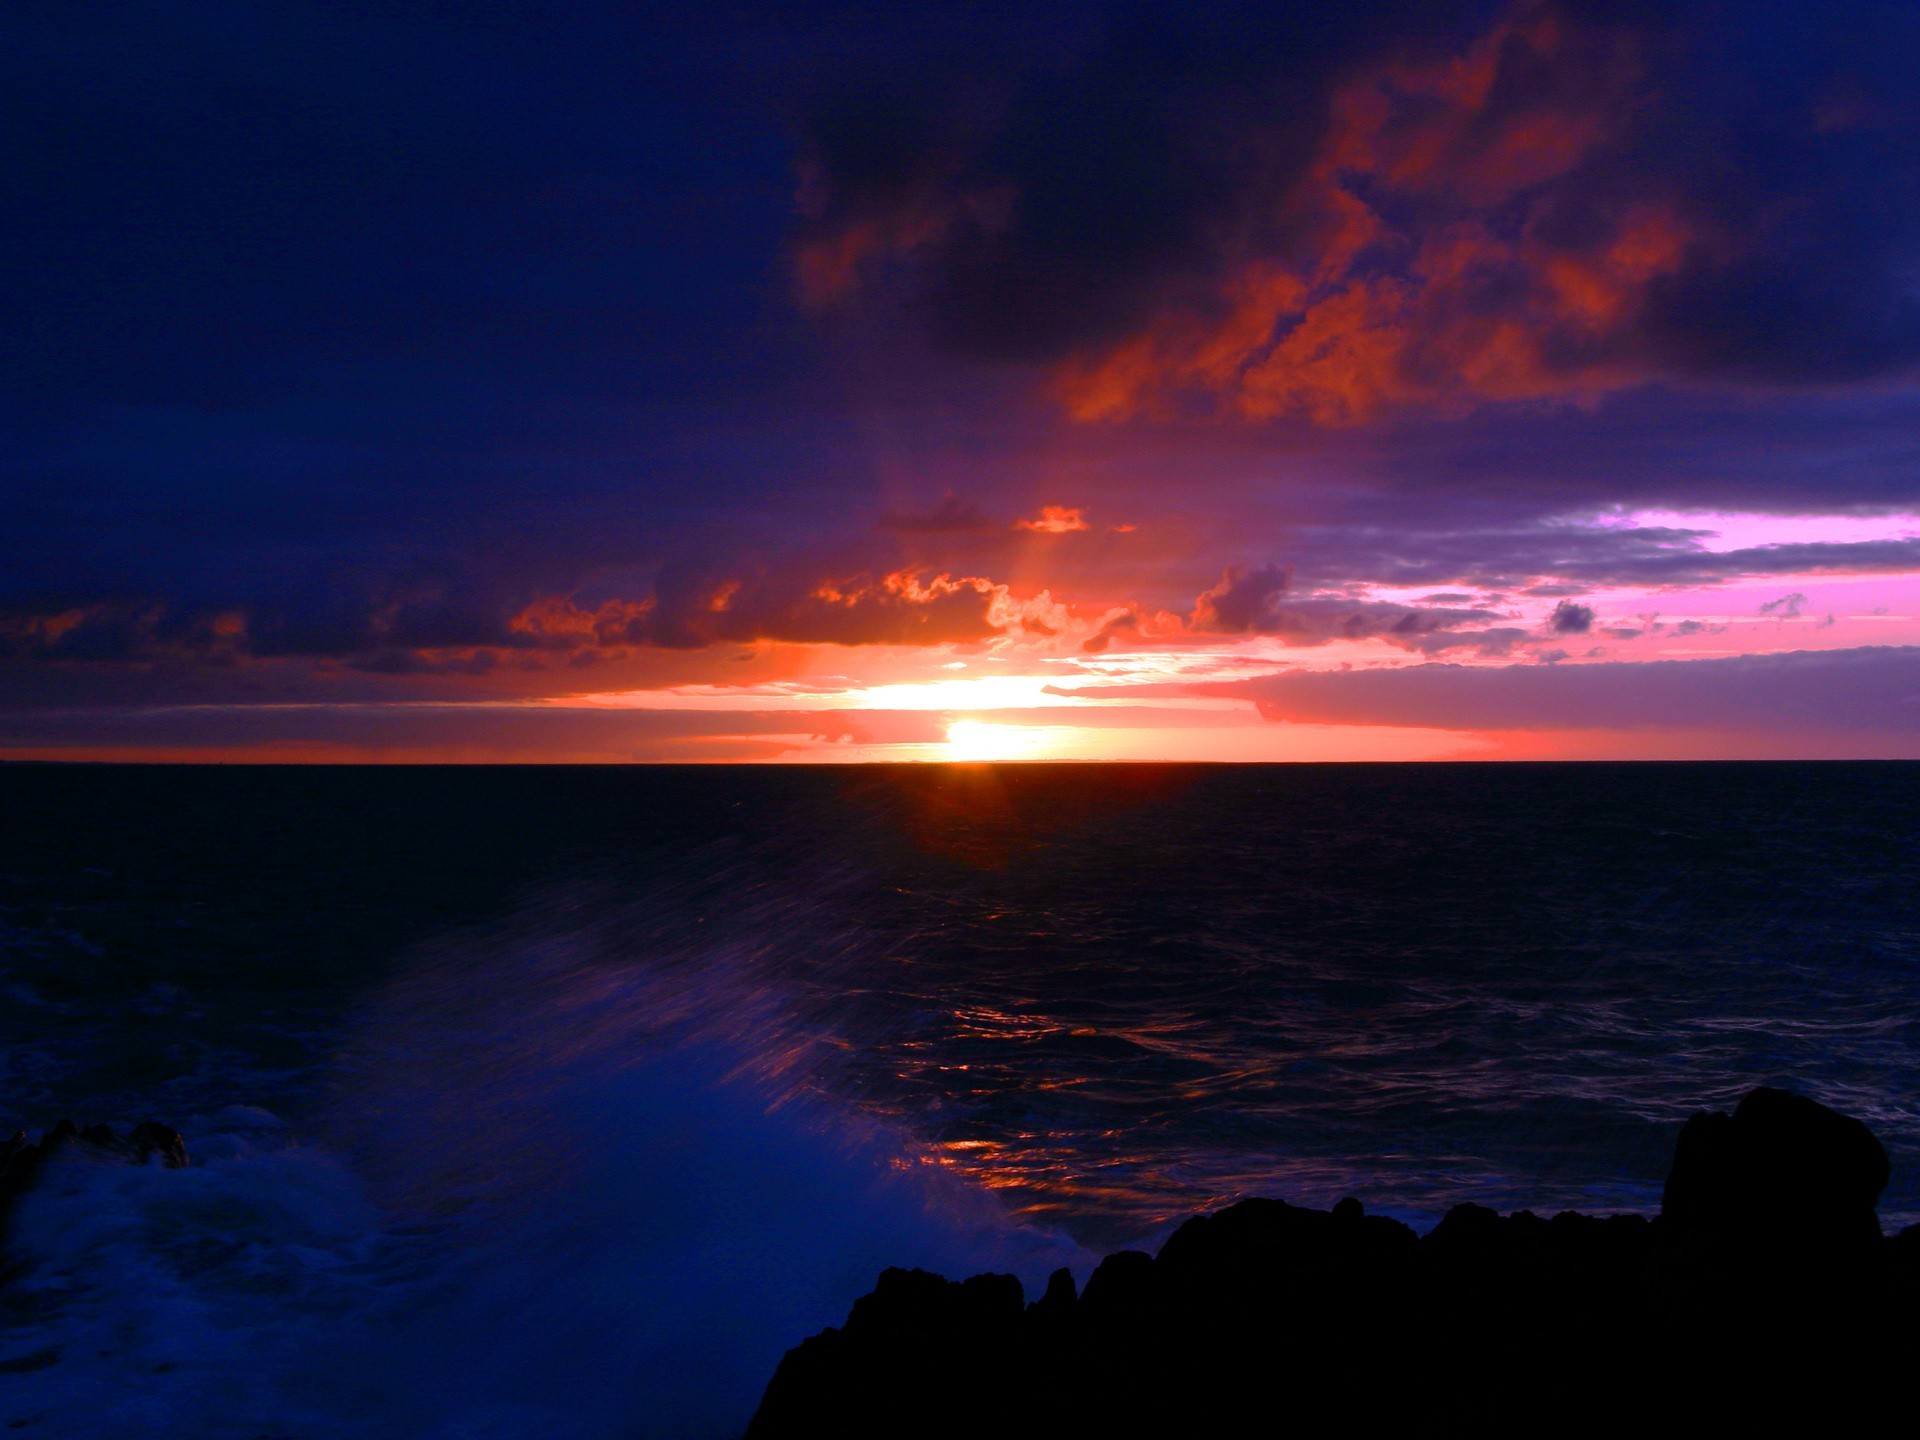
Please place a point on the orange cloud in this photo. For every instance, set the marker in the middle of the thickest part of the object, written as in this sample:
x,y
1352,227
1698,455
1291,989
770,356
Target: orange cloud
x,y
1123,622
555,620
1054,520
899,608
1433,256
30,633
116,632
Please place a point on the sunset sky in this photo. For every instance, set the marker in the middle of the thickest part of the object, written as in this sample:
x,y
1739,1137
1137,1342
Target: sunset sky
x,y
590,381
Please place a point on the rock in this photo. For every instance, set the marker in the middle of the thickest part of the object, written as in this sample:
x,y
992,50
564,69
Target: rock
x,y
1060,1296
893,1369
1122,1286
1903,1261
1770,1210
1762,1291
1782,1167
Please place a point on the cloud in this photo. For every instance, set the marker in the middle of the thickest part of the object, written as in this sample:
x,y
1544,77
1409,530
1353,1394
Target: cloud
x,y
1570,619
1874,689
1338,215
1054,520
1112,628
1244,601
1430,262
1787,607
1553,557
900,607
441,399
429,631
1257,602
1860,557
121,632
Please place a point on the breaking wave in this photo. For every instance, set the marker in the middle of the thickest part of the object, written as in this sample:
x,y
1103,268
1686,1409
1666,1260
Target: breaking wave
x,y
587,1175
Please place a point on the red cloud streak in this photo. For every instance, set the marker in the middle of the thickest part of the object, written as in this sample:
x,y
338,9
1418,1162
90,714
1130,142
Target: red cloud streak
x,y
1428,256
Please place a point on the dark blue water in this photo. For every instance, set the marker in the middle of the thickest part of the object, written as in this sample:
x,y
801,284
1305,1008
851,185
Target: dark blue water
x,y
558,1102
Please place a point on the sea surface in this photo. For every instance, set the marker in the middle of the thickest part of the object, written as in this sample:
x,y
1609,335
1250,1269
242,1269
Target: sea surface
x,y
559,1102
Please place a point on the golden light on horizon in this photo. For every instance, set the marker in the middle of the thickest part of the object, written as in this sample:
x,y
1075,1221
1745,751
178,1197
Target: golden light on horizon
x,y
980,740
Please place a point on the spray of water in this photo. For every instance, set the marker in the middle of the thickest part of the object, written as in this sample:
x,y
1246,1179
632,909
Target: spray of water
x,y
585,1175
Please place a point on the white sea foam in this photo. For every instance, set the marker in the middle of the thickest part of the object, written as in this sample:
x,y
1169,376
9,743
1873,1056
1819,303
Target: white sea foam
x,y
563,1191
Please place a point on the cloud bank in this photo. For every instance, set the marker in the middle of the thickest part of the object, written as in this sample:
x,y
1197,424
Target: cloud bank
x,y
1870,689
1334,213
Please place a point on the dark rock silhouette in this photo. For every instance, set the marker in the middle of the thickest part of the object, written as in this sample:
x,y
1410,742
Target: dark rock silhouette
x,y
21,1159
1762,1295
1782,1170
1772,1207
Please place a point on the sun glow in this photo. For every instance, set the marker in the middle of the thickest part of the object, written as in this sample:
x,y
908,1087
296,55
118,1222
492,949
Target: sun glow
x,y
978,740
1173,697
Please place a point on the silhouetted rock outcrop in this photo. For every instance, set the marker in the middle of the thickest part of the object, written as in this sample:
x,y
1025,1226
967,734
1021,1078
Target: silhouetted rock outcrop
x,y
1769,1211
21,1159
1782,1171
1763,1294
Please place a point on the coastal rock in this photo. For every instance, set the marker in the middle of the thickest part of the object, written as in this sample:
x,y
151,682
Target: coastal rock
x,y
894,1367
1772,1210
1763,1290
1781,1168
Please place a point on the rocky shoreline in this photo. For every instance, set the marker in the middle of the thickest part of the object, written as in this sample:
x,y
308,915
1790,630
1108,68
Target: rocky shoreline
x,y
1763,1294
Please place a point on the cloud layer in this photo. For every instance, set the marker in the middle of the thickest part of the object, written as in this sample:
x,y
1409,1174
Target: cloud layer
x,y
1873,689
1333,215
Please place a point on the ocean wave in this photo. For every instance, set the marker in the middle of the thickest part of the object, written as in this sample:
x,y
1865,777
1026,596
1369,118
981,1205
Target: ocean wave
x,y
561,1189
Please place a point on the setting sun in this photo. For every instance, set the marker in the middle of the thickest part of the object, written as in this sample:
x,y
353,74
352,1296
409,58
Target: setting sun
x,y
978,740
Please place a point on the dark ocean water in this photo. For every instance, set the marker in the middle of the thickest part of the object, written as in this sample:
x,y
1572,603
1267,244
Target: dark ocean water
x,y
559,1102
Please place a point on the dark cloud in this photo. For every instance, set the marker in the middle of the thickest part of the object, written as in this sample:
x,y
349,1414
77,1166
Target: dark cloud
x,y
1111,629
1057,193
1245,601
859,608
429,630
1556,558
1873,689
1676,567
1787,607
107,631
1570,619
1492,642
1333,212
1257,602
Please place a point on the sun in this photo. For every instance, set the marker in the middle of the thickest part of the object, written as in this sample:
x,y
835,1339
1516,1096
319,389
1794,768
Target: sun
x,y
978,740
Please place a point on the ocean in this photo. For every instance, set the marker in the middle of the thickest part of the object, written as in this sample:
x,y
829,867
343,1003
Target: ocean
x,y
558,1102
